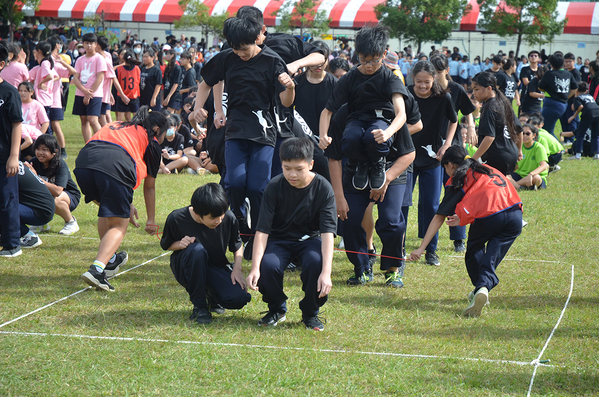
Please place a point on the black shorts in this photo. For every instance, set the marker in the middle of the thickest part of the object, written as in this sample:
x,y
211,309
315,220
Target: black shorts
x,y
132,106
105,107
74,201
175,103
56,114
115,198
94,107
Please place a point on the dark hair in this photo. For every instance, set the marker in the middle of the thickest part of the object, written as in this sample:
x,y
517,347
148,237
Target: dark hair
x,y
46,50
148,120
171,63
570,56
130,59
533,52
12,48
90,38
241,31
51,143
186,55
532,127
210,199
541,70
456,154
497,59
372,40
440,62
556,61
297,149
501,106
54,41
29,87
151,53
251,12
338,63
103,42
508,64
536,119
428,68
594,66
321,45
524,114
188,100
583,87
177,119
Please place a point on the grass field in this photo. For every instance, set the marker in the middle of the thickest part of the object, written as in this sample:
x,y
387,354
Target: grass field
x,y
138,341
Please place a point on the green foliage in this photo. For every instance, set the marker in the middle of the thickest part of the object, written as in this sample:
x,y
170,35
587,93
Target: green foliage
x,y
11,11
534,21
420,21
197,15
302,14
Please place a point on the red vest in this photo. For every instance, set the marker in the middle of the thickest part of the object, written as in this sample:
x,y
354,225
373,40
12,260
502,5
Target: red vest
x,y
485,196
133,139
129,81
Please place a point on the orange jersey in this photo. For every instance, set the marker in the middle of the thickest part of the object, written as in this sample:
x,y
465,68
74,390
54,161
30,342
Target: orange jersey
x,y
129,80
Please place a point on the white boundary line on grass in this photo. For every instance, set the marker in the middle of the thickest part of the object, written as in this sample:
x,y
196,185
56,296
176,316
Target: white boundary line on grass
x,y
271,347
75,293
537,361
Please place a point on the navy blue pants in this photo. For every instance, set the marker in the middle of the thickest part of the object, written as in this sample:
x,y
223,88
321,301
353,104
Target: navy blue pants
x,y
248,172
9,210
390,226
429,193
555,158
564,121
585,124
272,268
358,141
455,232
191,268
552,111
28,217
489,240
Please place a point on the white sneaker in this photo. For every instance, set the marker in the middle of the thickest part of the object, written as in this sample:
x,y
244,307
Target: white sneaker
x,y
577,156
191,171
69,228
596,157
30,240
341,244
40,229
481,299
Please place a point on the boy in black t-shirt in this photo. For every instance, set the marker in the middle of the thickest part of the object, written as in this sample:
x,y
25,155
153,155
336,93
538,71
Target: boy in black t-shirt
x,y
585,103
376,109
298,217
199,236
189,75
10,140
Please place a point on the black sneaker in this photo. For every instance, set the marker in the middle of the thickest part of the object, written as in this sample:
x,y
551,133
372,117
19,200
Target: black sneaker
x,y
63,153
372,257
10,252
201,315
432,259
248,249
272,319
112,269
313,323
96,279
360,179
366,277
377,174
459,246
214,307
30,241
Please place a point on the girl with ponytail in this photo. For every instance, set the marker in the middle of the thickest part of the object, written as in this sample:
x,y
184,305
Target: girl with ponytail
x,y
109,168
481,196
499,131
44,77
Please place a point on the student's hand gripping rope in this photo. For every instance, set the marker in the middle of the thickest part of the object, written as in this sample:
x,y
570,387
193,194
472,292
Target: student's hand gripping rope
x,y
453,220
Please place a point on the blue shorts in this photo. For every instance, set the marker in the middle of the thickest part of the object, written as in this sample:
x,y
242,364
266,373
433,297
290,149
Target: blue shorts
x,y
94,108
105,107
174,104
115,198
132,106
56,114
74,201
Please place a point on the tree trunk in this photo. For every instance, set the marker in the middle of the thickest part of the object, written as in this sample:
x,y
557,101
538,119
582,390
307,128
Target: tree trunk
x,y
518,45
418,51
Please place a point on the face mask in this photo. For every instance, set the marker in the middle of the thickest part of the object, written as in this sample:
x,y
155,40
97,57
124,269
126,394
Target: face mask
x,y
137,50
59,48
476,62
170,132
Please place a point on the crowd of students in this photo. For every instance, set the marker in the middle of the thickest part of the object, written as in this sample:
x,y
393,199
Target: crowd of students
x,y
305,145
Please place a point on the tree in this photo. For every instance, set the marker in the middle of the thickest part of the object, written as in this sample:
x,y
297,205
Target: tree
x,y
419,21
11,11
535,21
197,15
302,14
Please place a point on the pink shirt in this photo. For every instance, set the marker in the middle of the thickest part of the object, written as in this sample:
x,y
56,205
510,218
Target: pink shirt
x,y
56,93
107,78
30,131
15,73
88,69
45,97
33,73
34,114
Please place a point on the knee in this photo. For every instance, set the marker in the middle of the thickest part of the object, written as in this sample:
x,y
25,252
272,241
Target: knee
x,y
197,251
270,264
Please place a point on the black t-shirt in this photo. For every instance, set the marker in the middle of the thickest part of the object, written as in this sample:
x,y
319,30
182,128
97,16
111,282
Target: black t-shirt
x,y
148,80
198,69
451,198
528,73
252,86
461,102
530,104
289,213
180,223
503,152
368,97
215,137
590,108
507,85
558,83
35,195
10,112
585,72
114,161
576,74
61,177
185,132
401,146
310,99
187,81
174,77
428,140
178,143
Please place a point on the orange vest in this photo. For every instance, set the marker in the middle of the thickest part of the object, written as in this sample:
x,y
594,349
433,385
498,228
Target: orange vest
x,y
133,140
485,196
129,81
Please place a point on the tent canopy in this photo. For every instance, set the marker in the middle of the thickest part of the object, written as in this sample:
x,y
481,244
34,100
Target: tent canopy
x,y
583,18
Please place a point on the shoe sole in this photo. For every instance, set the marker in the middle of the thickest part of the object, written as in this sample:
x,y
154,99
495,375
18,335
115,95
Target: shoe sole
x,y
475,310
19,252
314,329
203,320
280,320
69,233
381,186
37,244
93,282
110,273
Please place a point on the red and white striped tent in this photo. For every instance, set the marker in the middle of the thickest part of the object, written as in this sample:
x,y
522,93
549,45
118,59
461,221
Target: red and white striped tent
x,y
583,18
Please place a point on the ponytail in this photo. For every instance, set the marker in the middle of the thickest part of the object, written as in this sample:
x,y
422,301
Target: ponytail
x,y
148,120
46,50
130,59
459,156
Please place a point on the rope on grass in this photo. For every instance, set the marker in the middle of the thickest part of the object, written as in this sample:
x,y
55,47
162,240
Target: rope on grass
x,y
538,362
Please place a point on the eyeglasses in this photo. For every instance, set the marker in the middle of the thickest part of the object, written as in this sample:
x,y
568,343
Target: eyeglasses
x,y
527,133
374,62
